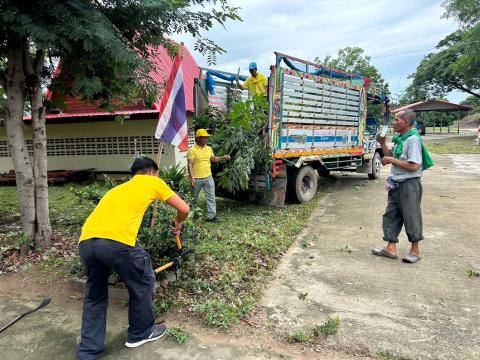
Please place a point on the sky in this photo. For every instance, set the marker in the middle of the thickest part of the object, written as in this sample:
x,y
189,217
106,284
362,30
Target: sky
x,y
396,34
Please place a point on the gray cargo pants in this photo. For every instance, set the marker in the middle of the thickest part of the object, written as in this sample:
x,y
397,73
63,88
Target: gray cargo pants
x,y
403,208
208,186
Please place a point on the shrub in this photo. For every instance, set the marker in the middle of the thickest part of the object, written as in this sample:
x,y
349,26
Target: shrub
x,y
178,335
330,327
299,336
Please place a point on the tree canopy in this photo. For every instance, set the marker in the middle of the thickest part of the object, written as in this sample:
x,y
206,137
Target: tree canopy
x,y
354,60
456,64
103,48
103,45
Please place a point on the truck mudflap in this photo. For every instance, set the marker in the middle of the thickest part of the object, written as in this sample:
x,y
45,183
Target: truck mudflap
x,y
275,189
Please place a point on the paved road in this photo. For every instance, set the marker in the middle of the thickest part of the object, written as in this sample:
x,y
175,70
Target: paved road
x,y
429,310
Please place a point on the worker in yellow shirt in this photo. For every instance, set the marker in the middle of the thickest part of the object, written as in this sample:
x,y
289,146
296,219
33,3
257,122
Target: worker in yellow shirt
x,y
108,242
200,156
256,84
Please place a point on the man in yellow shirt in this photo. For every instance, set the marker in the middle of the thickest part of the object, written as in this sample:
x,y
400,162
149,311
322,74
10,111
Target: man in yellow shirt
x,y
256,84
108,242
200,156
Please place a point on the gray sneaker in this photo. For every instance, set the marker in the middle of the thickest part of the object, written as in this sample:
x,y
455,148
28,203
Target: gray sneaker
x,y
157,333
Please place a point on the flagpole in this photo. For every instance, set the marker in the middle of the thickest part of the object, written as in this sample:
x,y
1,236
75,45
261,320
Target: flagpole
x,y
159,159
155,204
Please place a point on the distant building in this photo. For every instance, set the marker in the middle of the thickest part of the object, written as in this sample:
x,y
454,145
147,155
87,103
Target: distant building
x,y
83,136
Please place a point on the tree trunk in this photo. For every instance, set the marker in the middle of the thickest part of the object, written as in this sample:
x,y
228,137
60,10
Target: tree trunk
x,y
16,137
43,230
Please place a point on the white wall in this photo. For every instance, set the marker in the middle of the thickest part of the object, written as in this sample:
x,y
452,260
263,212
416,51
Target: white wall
x,y
103,145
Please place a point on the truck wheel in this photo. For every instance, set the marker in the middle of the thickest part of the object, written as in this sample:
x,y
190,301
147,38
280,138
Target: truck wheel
x,y
302,184
376,167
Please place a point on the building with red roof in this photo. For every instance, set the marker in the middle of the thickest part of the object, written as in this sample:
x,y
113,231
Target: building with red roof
x,y
84,136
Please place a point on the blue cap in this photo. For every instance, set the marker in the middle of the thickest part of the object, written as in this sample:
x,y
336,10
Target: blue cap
x,y
252,66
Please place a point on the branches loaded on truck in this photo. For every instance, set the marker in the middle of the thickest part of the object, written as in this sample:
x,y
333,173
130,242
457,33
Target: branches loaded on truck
x,y
317,123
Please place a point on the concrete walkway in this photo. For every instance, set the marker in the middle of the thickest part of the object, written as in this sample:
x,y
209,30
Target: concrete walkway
x,y
428,310
52,333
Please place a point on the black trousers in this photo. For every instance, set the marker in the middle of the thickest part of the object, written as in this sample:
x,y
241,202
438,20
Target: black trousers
x,y
132,264
403,209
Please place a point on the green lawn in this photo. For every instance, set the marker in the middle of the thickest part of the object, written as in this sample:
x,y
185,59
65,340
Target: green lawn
x,y
455,145
232,260
67,214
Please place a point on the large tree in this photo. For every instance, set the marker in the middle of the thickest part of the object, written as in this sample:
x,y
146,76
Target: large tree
x,y
103,47
456,64
354,60
465,12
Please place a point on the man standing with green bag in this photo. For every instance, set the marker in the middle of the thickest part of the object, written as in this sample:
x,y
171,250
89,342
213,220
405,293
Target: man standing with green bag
x,y
408,158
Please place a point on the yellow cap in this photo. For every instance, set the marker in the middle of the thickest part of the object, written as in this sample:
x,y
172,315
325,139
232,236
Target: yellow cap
x,y
201,133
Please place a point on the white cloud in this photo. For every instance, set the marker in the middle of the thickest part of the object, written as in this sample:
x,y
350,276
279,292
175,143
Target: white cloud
x,y
307,29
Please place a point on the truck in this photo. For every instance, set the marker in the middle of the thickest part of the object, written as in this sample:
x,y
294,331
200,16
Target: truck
x,y
317,123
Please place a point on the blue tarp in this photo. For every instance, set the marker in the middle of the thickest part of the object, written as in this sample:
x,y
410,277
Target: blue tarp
x,y
211,83
322,71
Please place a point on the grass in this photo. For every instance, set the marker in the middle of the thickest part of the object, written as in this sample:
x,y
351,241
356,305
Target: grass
x,y
386,355
330,327
178,335
67,214
472,273
454,145
299,336
232,260
237,256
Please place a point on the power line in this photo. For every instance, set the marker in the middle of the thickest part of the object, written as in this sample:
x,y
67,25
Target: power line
x,y
402,53
417,51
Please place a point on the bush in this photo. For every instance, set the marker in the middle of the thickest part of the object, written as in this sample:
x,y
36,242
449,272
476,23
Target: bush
x,y
157,241
176,177
299,336
330,327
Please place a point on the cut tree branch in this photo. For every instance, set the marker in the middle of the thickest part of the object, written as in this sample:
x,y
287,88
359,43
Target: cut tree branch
x,y
460,87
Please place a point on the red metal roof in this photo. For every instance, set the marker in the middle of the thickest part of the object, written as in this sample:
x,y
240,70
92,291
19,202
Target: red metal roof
x,y
158,56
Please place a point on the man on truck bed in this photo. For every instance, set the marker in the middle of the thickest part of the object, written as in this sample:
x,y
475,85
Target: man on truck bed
x,y
408,158
256,84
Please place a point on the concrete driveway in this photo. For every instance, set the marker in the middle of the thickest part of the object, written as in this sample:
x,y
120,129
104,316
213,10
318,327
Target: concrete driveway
x,y
428,310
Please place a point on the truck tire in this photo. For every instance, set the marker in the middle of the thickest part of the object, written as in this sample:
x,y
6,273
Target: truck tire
x,y
376,167
302,184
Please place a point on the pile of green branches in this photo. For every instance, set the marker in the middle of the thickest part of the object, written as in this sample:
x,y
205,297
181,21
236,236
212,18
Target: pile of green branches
x,y
240,133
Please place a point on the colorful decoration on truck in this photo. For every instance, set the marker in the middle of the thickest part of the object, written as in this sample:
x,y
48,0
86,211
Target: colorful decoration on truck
x,y
354,84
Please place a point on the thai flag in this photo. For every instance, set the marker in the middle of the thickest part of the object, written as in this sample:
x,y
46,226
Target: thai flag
x,y
172,122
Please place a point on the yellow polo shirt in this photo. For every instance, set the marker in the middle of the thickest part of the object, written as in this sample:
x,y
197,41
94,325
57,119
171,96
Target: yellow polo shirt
x,y
119,213
201,160
256,85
